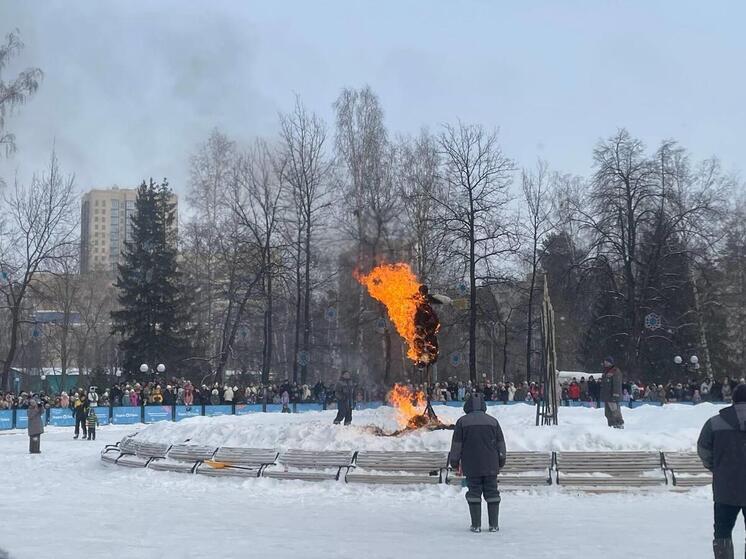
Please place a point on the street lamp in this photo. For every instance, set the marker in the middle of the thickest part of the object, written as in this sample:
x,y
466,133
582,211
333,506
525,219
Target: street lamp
x,y
161,368
143,368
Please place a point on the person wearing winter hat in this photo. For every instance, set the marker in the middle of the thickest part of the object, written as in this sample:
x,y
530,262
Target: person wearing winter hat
x,y
611,393
478,449
722,449
214,397
80,412
35,426
91,422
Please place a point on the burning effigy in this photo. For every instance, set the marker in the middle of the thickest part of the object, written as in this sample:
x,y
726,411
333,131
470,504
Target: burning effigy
x,y
409,307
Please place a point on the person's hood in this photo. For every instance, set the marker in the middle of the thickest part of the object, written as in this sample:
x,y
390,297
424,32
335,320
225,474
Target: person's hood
x,y
475,402
735,416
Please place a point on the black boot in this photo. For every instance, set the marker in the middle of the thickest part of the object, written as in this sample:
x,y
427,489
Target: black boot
x,y
723,548
493,512
475,510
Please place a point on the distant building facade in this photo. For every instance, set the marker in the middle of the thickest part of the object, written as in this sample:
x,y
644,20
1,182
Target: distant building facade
x,y
105,227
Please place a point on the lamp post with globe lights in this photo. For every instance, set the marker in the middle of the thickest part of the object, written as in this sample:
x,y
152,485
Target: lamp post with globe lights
x,y
691,366
160,368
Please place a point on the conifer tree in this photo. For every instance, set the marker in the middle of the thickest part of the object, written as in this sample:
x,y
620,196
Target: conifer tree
x,y
152,319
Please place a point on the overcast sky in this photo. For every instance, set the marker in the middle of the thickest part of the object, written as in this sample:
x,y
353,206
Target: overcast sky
x,y
132,87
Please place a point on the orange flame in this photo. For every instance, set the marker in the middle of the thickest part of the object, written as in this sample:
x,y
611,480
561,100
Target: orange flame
x,y
396,286
406,403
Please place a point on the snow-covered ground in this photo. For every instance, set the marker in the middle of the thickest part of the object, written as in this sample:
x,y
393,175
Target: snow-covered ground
x,y
65,503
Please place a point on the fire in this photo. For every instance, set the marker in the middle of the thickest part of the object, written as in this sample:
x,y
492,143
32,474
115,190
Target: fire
x,y
396,286
406,403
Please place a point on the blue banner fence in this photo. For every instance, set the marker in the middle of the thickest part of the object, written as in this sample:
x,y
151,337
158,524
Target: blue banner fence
x,y
129,415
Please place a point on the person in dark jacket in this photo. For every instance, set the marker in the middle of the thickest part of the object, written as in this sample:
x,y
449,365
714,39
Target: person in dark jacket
x,y
722,448
478,450
35,426
611,393
344,392
80,411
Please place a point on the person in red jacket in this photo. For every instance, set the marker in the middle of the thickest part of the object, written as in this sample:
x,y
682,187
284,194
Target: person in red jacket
x,y
574,390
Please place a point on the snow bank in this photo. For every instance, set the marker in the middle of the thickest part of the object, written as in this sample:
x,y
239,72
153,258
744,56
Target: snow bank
x,y
674,427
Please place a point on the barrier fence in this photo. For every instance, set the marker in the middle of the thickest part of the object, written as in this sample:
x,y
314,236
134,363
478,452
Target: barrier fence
x,y
129,415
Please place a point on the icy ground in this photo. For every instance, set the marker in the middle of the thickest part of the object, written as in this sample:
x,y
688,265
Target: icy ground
x,y
64,503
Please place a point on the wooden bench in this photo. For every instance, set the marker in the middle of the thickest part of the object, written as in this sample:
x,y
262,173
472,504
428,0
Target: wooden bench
x,y
183,458
144,453
522,469
610,470
398,467
310,465
686,469
112,452
239,462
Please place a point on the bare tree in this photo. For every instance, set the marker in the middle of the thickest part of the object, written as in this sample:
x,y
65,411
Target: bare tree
x,y
257,202
58,290
361,146
210,170
645,215
17,91
537,192
421,182
305,169
96,298
478,176
40,229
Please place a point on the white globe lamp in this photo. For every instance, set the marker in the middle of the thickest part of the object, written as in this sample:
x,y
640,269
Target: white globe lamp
x,y
678,360
694,359
161,368
143,368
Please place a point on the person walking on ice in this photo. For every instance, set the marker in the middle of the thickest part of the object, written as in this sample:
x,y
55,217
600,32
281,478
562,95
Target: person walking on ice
x,y
478,449
722,449
344,392
35,426
611,393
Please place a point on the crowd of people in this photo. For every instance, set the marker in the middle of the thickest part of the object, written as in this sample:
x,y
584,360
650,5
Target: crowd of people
x,y
183,392
708,390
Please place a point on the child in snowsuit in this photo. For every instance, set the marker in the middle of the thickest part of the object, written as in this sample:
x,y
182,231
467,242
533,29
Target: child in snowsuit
x,y
91,422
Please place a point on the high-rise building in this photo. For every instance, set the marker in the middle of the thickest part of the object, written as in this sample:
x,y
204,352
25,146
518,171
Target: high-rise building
x,y
105,226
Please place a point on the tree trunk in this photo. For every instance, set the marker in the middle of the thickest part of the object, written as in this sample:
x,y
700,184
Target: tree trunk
x,y
702,332
229,330
472,310
268,331
505,350
530,317
15,313
298,294
386,356
307,302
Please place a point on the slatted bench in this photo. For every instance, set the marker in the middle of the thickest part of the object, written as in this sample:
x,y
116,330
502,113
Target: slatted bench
x,y
112,452
610,470
239,462
310,465
398,467
686,469
183,458
522,469
144,453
